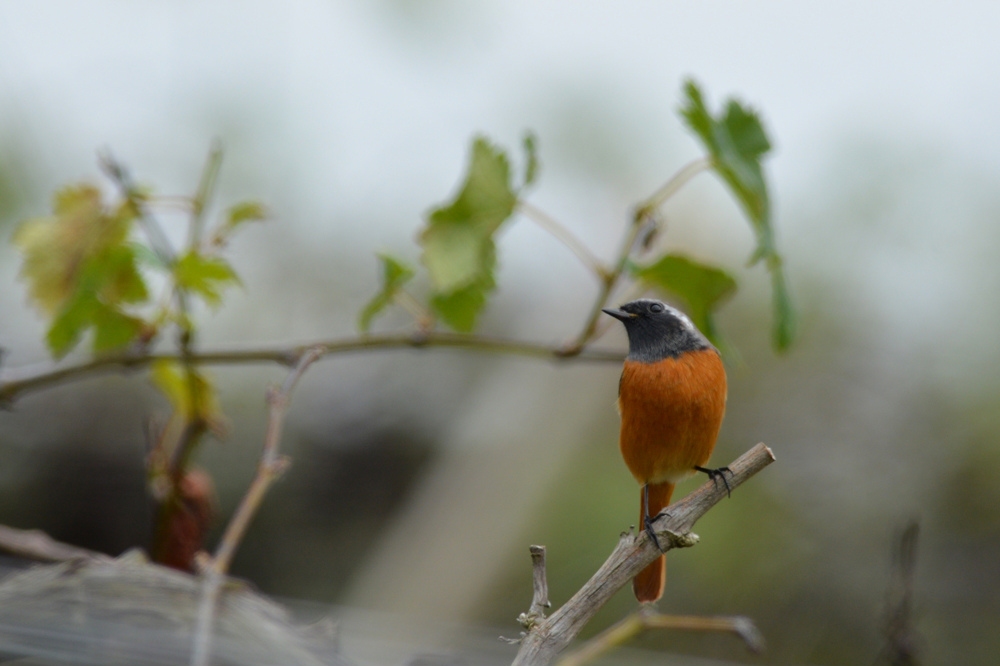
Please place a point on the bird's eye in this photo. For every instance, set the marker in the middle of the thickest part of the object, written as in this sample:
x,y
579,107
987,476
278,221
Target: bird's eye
x,y
656,308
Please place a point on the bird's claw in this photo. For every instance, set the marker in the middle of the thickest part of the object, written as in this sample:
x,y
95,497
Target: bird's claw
x,y
716,474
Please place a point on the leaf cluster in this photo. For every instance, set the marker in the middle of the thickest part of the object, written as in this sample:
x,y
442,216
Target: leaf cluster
x,y
459,249
88,269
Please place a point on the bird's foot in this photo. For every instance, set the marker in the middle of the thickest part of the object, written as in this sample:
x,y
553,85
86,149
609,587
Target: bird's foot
x,y
648,523
716,474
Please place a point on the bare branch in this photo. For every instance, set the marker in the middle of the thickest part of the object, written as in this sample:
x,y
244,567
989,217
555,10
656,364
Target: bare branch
x,y
641,620
902,642
15,382
37,545
540,600
633,553
270,467
563,235
645,215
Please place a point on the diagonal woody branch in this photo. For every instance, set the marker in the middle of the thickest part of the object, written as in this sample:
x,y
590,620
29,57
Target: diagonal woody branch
x,y
629,557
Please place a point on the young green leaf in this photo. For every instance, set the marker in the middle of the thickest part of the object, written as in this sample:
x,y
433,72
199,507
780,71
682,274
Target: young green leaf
x,y
204,275
114,329
238,215
82,270
191,393
394,275
458,246
737,141
69,324
460,308
56,249
702,288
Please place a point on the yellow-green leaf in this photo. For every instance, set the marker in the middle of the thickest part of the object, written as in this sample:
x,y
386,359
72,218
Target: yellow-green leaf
x,y
56,249
204,275
191,393
394,275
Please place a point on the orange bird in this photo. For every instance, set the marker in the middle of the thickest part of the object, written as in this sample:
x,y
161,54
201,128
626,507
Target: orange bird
x,y
671,398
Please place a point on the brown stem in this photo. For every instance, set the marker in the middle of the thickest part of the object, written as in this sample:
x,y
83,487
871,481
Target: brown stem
x,y
269,468
15,382
640,621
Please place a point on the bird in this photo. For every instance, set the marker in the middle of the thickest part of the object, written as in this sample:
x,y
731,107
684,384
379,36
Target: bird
x,y
671,398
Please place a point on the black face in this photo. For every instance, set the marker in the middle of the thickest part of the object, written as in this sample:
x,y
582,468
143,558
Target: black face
x,y
657,331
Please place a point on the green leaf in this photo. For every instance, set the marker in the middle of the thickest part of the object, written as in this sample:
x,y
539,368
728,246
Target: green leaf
x,y
394,275
236,216
531,158
737,141
81,269
246,211
460,309
191,393
56,250
702,288
106,282
204,275
458,238
121,281
113,328
459,251
70,323
783,331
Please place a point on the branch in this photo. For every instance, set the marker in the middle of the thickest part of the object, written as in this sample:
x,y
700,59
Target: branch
x,y
641,620
37,545
270,467
540,599
631,555
271,464
18,381
563,235
644,215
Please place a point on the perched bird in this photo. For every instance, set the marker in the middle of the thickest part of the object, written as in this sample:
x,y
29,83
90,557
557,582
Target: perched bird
x,y
671,397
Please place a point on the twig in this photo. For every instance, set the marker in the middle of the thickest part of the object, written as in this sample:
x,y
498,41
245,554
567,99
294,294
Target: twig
x,y
270,467
271,464
902,642
14,382
540,598
158,240
633,553
206,186
644,214
641,620
563,235
37,545
679,180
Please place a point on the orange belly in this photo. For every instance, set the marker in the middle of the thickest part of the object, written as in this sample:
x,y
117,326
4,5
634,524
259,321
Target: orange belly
x,y
671,413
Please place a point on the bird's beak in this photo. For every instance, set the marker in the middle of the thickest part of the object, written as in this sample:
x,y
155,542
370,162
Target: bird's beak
x,y
618,314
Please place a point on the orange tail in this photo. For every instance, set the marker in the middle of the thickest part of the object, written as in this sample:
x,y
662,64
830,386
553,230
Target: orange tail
x,y
648,584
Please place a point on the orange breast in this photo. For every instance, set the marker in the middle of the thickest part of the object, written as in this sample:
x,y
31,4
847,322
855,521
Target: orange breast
x,y
671,413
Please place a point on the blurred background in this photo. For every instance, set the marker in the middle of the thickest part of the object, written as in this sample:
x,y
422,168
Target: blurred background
x,y
419,478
